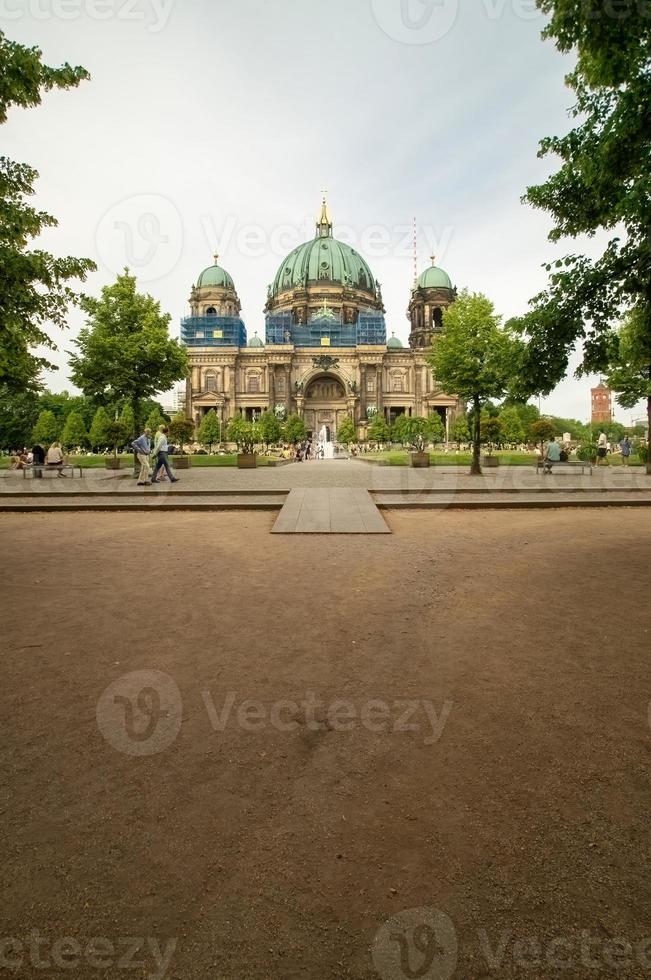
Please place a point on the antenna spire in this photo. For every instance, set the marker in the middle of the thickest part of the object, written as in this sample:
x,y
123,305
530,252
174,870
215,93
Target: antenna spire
x,y
415,253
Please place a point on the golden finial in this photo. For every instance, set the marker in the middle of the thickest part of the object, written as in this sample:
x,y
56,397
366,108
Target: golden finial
x,y
433,258
216,257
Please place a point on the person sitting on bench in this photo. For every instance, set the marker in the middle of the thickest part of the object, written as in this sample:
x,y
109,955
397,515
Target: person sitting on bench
x,y
38,458
55,457
552,455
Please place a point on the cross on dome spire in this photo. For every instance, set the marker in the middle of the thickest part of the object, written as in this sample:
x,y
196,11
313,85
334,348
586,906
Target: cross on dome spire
x,y
433,258
216,257
324,224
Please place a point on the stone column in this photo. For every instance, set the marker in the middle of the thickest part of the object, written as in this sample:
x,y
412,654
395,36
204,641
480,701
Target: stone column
x,y
378,387
288,388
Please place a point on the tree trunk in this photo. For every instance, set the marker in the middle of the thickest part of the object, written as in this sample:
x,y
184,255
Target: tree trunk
x,y
475,468
648,437
135,405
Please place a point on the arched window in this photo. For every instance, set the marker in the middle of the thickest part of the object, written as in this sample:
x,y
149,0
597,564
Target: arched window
x,y
437,318
211,311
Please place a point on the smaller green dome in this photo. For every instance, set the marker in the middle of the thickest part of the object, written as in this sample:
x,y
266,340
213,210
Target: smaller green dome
x,y
214,275
434,278
256,341
394,342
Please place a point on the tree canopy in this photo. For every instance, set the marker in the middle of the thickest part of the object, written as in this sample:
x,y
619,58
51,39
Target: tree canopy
x,y
475,357
34,290
603,184
125,351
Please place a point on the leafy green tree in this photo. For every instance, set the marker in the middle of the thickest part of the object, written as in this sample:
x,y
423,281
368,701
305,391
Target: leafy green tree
x,y
243,433
417,432
490,431
347,432
18,414
602,186
270,428
125,352
474,357
436,427
542,431
118,433
181,429
294,429
398,433
378,429
99,434
74,432
460,429
46,429
33,283
210,430
155,419
128,421
630,363
511,427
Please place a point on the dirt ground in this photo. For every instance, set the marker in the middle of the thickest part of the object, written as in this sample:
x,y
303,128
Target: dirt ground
x,y
507,829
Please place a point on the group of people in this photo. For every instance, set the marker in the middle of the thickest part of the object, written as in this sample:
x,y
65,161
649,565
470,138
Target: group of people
x,y
156,453
38,457
555,453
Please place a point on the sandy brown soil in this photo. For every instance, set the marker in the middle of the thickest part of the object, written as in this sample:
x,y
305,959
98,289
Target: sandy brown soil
x,y
280,852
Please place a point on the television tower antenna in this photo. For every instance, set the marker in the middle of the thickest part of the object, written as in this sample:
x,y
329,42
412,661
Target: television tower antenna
x,y
415,253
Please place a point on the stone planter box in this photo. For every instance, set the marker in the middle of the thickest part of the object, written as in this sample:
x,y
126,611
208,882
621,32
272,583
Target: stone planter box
x,y
490,461
112,463
420,460
182,462
247,461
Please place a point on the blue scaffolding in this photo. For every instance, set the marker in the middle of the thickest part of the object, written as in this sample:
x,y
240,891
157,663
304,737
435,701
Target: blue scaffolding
x,y
326,331
213,331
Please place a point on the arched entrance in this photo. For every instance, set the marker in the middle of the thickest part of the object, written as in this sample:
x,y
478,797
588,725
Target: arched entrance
x,y
325,404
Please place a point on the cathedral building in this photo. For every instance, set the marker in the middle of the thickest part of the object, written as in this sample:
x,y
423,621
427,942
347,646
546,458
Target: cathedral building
x,y
325,353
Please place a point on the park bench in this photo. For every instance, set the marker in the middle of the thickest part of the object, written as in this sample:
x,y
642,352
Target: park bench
x,y
42,468
574,463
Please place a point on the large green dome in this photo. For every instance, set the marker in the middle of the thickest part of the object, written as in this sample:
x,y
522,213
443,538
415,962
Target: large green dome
x,y
214,275
324,260
434,278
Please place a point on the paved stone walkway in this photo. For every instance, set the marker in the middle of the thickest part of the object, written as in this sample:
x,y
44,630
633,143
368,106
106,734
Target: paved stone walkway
x,y
335,473
330,510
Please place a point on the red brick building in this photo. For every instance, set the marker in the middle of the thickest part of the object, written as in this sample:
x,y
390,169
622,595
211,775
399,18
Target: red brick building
x,y
602,404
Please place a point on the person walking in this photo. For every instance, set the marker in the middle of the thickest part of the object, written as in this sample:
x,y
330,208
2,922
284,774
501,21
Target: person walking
x,y
602,448
142,448
161,448
625,447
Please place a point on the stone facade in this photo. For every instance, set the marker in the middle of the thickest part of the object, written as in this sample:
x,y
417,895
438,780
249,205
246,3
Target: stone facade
x,y
326,354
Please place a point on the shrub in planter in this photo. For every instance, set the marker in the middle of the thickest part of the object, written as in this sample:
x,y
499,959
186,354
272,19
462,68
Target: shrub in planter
x,y
416,433
245,435
587,451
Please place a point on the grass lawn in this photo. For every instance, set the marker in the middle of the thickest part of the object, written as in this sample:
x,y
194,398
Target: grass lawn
x,y
401,458
97,462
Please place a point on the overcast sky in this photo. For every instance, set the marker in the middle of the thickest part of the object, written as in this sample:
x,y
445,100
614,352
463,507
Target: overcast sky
x,y
214,125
